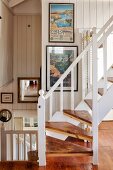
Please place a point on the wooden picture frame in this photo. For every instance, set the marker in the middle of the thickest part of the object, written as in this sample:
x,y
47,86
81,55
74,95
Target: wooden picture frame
x,y
58,59
7,98
28,89
61,22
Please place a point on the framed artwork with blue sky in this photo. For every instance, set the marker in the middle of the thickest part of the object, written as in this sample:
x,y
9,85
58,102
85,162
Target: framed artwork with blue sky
x,y
61,22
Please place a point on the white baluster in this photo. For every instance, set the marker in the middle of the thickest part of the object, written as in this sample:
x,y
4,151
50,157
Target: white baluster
x,y
72,89
18,146
61,97
51,106
24,146
14,147
95,103
3,144
105,64
41,129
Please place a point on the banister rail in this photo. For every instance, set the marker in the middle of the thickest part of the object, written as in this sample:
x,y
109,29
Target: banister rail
x,y
75,62
94,44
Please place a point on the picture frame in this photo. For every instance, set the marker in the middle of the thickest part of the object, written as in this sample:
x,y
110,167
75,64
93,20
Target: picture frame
x,y
28,89
58,59
61,22
7,98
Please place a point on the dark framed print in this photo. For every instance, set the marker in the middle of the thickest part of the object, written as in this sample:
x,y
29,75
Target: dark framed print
x,y
58,59
61,22
7,98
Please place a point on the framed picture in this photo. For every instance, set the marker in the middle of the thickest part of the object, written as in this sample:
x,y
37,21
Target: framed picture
x,y
58,59
7,98
61,22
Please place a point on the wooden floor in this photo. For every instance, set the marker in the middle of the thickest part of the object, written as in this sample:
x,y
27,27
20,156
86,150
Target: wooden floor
x,y
105,156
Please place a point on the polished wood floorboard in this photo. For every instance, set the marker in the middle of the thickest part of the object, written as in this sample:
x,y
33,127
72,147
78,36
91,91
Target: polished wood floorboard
x,y
73,163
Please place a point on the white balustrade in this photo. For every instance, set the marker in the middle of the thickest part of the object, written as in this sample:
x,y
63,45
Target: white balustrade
x,y
18,143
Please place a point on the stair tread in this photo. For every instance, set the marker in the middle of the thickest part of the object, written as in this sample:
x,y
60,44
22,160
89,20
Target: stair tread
x,y
79,114
110,79
57,146
89,102
69,129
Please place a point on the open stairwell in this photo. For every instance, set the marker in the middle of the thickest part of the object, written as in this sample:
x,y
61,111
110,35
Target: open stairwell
x,y
79,122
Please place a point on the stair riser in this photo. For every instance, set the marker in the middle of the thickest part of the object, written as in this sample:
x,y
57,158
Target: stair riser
x,y
79,120
78,136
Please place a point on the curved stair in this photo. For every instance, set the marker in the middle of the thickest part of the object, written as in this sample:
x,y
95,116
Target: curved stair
x,y
56,147
69,130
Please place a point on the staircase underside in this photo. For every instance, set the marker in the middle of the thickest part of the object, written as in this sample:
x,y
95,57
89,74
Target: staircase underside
x,y
82,116
69,130
89,103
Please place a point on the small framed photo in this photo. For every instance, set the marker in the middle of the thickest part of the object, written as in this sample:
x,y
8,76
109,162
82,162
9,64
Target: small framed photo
x,y
61,22
7,98
58,59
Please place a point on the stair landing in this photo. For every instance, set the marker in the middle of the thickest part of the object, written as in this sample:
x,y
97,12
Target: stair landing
x,y
82,116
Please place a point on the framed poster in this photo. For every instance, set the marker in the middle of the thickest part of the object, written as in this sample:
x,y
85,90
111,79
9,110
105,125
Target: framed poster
x,y
7,98
58,59
61,22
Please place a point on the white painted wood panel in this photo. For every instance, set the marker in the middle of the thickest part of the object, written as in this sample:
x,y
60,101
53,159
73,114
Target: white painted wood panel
x,y
86,15
6,45
26,57
93,13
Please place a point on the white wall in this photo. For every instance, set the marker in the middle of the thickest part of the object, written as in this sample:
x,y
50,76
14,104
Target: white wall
x,y
6,45
93,13
88,14
26,59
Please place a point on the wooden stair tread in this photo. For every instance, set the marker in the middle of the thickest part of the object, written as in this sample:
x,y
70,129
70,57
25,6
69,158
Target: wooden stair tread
x,y
59,147
81,115
110,79
89,102
69,130
101,91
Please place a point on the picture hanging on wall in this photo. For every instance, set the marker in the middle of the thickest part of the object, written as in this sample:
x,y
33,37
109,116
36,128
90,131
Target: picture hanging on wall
x,y
7,98
61,22
58,59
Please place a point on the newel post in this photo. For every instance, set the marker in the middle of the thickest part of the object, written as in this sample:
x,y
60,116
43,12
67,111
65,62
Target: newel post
x,y
95,102
41,129
3,143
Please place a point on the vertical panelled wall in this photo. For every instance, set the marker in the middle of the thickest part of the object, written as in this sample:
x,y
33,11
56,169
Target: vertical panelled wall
x,y
45,42
92,13
6,45
88,14
27,52
26,59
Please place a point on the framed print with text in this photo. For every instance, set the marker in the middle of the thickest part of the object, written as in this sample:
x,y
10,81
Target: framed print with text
x,y
61,22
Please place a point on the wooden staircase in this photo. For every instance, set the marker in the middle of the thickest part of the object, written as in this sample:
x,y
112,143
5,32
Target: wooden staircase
x,y
90,111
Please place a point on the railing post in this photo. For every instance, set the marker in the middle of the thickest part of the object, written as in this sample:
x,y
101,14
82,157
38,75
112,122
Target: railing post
x,y
41,129
95,102
72,89
61,97
105,64
3,143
